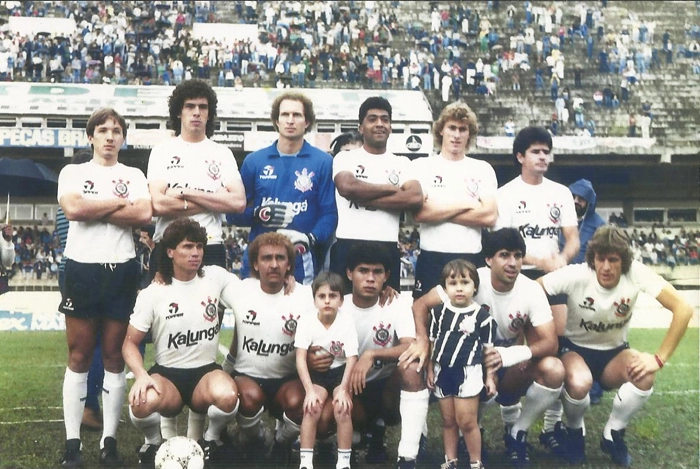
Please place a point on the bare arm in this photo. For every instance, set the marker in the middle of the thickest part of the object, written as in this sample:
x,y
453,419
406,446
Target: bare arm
x,y
229,199
130,351
646,363
682,312
542,340
484,215
134,214
572,243
557,261
431,212
77,208
359,191
303,370
409,197
167,203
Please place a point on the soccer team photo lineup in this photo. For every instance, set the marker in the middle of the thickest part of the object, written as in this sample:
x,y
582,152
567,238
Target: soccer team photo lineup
x,y
331,237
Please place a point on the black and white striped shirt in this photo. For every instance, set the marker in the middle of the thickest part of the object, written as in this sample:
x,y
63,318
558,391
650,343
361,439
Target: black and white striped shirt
x,y
458,334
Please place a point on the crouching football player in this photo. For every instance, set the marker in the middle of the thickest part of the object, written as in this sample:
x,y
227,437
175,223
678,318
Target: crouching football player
x,y
182,315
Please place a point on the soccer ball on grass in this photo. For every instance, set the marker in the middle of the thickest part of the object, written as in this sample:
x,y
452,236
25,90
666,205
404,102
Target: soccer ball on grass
x,y
179,452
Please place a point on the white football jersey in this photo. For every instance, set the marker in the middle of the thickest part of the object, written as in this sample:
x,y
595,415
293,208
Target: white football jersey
x,y
448,182
184,317
513,309
356,221
98,241
599,318
340,339
380,328
265,329
205,166
538,212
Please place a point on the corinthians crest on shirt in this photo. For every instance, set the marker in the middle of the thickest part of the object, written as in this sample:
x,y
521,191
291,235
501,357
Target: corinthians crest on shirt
x,y
622,307
121,188
393,177
554,213
213,169
337,349
289,325
211,309
382,334
304,182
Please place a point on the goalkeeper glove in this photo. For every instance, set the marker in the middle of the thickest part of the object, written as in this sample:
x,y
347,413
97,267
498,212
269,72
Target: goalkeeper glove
x,y
274,215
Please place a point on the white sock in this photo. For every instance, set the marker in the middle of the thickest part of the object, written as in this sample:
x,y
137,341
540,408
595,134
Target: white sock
x,y
168,427
74,395
510,413
306,458
250,426
537,399
343,459
149,426
575,409
195,425
552,416
113,396
413,408
628,400
288,430
218,419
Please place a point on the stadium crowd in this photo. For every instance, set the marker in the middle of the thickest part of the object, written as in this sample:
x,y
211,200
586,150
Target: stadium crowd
x,y
363,44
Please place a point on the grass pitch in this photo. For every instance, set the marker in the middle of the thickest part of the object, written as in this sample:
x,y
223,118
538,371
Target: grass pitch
x,y
663,435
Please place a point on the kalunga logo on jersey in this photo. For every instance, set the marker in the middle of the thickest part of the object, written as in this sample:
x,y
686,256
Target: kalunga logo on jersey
x,y
600,326
268,172
211,311
517,321
304,182
622,308
587,303
88,187
264,349
336,348
535,232
121,188
189,338
290,324
382,334
554,213
213,170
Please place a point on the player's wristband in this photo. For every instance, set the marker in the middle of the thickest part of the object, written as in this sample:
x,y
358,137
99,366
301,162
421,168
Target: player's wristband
x,y
228,364
659,361
514,354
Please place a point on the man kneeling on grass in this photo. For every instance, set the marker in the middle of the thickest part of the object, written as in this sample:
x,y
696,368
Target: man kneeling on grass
x,y
182,315
602,295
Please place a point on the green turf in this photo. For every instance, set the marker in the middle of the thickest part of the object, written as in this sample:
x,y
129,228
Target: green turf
x,y
663,435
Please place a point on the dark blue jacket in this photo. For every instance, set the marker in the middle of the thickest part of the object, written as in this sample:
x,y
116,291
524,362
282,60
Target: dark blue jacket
x,y
590,221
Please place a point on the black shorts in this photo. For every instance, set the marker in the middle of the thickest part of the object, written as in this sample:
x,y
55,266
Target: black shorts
x,y
270,386
596,360
339,254
372,398
214,254
185,380
553,300
329,379
96,291
430,264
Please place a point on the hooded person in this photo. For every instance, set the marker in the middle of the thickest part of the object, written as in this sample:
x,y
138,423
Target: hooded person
x,y
588,220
